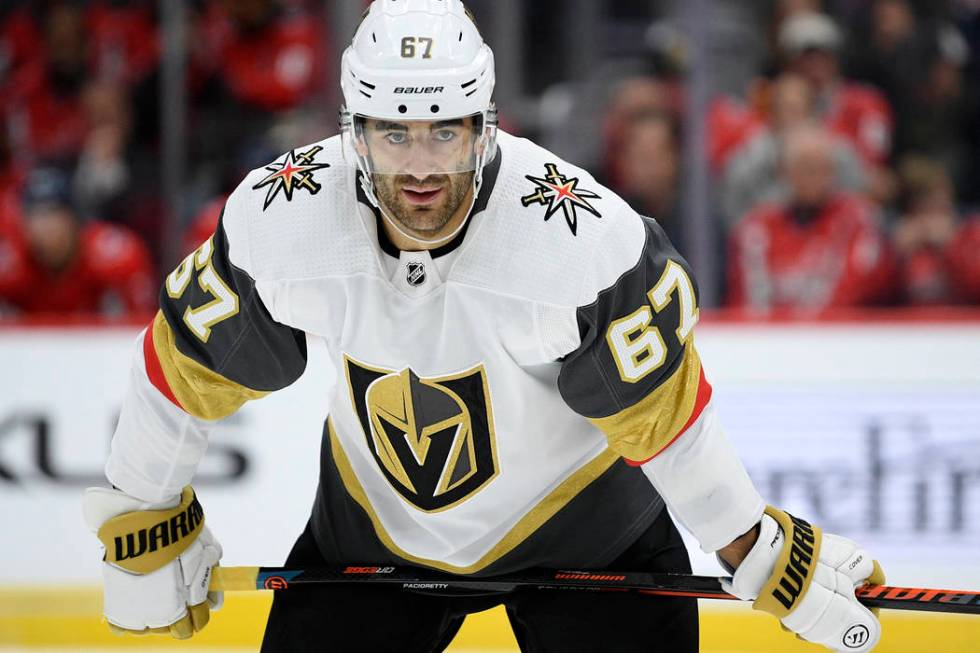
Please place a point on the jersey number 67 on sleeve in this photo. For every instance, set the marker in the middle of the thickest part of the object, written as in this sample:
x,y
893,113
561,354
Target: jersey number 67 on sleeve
x,y
636,344
225,303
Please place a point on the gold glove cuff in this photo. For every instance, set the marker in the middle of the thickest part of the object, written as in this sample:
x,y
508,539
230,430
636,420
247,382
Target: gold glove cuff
x,y
795,567
145,540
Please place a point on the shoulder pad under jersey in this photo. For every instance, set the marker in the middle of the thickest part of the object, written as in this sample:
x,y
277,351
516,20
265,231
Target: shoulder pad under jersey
x,y
297,217
550,232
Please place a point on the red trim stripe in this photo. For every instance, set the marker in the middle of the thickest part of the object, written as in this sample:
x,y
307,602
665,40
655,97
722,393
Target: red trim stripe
x,y
696,595
700,401
153,368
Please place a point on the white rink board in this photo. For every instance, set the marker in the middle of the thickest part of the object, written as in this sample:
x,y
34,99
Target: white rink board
x,y
871,431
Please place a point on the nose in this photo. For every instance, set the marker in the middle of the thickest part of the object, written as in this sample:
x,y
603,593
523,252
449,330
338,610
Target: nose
x,y
422,161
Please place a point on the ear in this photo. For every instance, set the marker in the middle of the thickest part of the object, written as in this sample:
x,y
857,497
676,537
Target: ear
x,y
360,146
481,143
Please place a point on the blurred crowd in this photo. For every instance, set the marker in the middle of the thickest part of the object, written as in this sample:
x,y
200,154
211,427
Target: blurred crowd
x,y
845,168
82,212
843,141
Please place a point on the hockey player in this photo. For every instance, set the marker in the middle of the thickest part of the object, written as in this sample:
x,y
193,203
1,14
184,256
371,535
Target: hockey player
x,y
518,384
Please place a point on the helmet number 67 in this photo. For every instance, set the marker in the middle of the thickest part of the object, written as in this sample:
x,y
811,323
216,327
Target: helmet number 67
x,y
410,43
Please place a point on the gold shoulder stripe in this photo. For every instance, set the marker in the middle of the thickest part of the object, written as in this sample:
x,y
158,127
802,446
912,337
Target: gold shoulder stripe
x,y
642,430
201,392
542,512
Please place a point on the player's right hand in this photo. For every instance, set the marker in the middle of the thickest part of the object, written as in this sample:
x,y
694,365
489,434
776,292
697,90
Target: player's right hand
x,y
807,578
157,563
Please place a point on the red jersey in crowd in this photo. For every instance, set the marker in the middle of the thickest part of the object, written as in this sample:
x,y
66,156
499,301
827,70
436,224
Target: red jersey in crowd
x,y
125,45
964,261
45,115
275,67
838,257
861,115
19,37
110,273
730,124
44,122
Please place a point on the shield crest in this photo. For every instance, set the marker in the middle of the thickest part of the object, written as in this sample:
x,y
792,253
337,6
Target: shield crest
x,y
432,438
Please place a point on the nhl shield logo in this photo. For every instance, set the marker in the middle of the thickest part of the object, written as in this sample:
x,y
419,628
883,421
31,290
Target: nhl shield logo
x,y
432,438
416,274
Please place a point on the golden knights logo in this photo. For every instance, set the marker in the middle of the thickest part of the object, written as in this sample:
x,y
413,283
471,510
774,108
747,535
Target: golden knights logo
x,y
433,438
294,171
557,192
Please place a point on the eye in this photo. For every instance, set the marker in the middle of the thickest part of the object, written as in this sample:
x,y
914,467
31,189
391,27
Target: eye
x,y
396,138
444,135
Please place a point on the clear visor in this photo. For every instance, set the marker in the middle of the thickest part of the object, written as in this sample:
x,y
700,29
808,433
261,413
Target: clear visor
x,y
419,148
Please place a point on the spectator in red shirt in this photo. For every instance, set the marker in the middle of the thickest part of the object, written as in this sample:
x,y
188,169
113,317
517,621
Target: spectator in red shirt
x,y
19,37
43,106
51,262
266,56
821,249
752,175
811,42
964,261
924,231
938,252
125,44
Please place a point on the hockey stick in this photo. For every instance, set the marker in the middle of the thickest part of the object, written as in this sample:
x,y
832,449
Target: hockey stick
x,y
661,584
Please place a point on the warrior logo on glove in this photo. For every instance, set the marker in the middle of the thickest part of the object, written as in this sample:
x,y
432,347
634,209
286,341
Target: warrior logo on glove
x,y
142,541
797,570
433,438
856,636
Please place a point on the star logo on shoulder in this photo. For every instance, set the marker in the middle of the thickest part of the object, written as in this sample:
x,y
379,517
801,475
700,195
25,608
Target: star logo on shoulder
x,y
293,172
556,192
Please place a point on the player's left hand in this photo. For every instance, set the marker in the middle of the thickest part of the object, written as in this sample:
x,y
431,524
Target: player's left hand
x,y
807,580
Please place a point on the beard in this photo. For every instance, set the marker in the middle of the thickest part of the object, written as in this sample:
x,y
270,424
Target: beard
x,y
424,220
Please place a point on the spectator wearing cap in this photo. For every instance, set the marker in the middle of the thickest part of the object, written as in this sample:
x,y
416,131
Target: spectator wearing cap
x,y
820,249
53,262
810,43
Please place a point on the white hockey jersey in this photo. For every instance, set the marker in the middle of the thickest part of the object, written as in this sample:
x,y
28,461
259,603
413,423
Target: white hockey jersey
x,y
496,395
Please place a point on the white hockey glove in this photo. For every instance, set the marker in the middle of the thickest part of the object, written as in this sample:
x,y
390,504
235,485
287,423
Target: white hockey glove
x,y
807,580
158,560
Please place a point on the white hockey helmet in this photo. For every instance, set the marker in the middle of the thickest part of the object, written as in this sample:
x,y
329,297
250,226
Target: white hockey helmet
x,y
417,60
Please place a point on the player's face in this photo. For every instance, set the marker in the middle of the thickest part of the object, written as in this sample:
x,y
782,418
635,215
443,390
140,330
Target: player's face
x,y
422,170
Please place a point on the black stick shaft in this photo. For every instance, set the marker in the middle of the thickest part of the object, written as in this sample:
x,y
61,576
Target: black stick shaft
x,y
704,587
